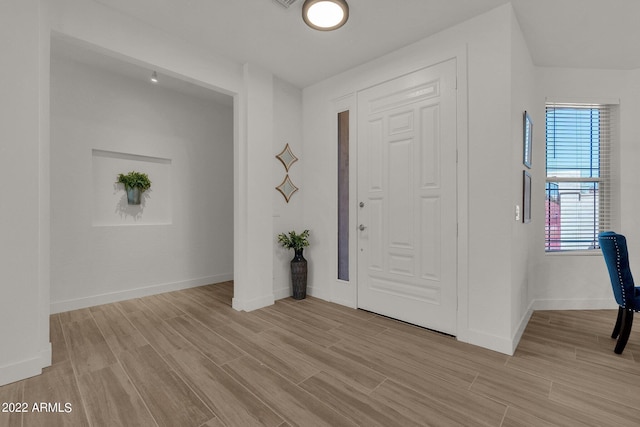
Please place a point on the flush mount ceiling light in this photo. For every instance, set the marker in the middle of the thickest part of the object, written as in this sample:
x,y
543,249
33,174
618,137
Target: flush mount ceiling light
x,y
154,77
325,15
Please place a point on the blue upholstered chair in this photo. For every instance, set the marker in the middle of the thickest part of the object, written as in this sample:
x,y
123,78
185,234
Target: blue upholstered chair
x,y
614,249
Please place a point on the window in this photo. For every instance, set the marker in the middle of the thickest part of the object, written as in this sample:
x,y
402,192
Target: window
x,y
578,190
343,195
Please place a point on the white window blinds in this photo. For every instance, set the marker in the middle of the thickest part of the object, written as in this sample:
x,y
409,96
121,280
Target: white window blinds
x,y
578,187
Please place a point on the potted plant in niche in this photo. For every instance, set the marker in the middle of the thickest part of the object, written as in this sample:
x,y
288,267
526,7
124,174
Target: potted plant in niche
x,y
135,183
297,242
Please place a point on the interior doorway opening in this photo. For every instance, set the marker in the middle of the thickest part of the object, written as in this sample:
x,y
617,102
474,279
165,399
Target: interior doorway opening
x,y
107,117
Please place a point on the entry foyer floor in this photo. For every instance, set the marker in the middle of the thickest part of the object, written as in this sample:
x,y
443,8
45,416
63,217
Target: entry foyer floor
x,y
186,358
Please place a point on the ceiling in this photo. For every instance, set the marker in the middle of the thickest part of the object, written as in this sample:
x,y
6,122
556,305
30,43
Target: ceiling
x,y
559,33
74,50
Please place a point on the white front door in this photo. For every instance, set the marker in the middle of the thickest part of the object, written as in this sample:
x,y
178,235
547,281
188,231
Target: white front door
x,y
407,246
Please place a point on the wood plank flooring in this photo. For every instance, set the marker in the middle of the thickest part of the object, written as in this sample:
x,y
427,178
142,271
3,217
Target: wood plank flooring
x,y
186,358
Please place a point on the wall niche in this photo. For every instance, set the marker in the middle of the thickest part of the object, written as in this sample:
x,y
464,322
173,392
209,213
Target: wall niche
x,y
109,199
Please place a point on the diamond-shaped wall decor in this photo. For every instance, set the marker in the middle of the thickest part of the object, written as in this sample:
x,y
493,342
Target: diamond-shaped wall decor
x,y
287,188
286,157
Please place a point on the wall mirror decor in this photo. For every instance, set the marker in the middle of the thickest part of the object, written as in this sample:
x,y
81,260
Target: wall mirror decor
x,y
286,188
287,157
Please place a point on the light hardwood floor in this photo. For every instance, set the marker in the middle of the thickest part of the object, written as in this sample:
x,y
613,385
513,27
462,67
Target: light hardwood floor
x,y
187,358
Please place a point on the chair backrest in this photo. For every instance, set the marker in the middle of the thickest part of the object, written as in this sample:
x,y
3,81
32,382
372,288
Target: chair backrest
x,y
614,249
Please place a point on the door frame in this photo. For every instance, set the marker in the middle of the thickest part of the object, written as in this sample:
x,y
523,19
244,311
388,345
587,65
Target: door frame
x,y
439,313
346,293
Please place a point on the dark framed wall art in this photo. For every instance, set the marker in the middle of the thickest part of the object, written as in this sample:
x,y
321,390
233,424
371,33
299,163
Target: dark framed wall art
x,y
526,197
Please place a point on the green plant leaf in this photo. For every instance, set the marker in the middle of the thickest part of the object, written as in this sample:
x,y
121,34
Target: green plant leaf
x,y
293,240
135,179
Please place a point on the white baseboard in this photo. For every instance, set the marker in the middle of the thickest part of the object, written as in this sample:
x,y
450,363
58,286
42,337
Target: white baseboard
x,y
253,304
497,343
25,368
517,336
488,341
501,345
322,294
344,293
75,304
575,304
282,293
347,303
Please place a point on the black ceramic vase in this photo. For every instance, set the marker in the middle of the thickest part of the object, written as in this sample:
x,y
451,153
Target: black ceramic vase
x,y
299,275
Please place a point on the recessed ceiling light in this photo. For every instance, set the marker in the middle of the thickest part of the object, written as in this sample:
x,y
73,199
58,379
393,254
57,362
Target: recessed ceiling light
x,y
325,15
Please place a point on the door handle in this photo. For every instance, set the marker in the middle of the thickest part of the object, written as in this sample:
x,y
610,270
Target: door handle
x,y
361,227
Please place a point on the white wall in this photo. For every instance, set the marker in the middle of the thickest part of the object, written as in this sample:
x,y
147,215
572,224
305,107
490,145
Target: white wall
x,y
490,186
566,281
523,235
487,193
254,208
124,37
491,280
24,263
26,28
287,129
253,88
136,251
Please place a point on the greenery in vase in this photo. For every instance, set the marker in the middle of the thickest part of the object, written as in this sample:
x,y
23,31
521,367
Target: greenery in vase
x,y
135,179
293,240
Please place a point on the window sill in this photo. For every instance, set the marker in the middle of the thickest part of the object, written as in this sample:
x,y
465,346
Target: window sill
x,y
592,252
